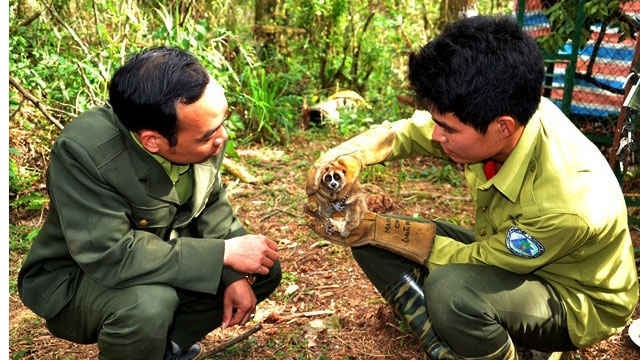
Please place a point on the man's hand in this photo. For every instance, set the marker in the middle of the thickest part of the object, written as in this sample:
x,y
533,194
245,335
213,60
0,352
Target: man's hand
x,y
250,254
239,303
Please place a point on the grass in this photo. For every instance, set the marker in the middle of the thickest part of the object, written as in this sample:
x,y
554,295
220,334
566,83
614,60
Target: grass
x,y
21,237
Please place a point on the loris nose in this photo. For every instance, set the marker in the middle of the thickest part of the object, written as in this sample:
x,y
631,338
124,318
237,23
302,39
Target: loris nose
x,y
333,185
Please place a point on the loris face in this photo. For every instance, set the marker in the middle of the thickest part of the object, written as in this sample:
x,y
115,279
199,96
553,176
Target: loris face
x,y
333,179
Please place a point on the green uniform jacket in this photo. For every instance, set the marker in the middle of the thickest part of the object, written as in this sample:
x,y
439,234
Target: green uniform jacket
x,y
557,189
115,216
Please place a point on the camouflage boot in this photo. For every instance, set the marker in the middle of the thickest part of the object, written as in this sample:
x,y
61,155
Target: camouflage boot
x,y
406,298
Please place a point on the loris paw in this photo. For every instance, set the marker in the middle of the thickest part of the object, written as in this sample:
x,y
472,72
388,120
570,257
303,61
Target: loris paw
x,y
338,226
311,207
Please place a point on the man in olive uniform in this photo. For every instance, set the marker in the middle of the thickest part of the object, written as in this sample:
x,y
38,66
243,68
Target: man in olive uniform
x,y
549,264
141,251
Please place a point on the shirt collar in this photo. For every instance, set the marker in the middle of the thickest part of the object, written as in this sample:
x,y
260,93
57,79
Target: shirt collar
x,y
173,170
512,173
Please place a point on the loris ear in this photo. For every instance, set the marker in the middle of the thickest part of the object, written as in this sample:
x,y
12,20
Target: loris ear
x,y
313,179
351,167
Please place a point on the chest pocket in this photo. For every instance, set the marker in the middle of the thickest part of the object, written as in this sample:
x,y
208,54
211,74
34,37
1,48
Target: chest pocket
x,y
155,219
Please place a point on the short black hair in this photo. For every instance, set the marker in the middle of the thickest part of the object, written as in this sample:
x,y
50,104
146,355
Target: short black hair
x,y
479,68
144,92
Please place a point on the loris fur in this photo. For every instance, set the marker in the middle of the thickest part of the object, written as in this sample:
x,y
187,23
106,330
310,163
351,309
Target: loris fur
x,y
339,198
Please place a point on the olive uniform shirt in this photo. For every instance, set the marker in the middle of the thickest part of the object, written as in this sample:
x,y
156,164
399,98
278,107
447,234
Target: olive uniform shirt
x,y
116,216
181,175
554,209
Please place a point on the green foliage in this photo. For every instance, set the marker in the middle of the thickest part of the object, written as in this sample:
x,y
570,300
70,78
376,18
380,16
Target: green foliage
x,y
19,178
21,181
32,201
446,174
371,174
237,351
289,344
66,56
353,122
345,39
289,278
21,237
270,109
19,354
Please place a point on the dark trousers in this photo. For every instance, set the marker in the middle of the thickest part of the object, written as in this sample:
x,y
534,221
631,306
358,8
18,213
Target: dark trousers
x,y
137,322
475,309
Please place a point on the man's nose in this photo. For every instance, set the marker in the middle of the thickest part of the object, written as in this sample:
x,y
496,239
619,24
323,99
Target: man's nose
x,y
223,133
221,137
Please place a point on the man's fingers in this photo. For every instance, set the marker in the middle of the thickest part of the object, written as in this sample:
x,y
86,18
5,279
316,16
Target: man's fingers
x,y
271,254
263,270
267,262
246,318
227,313
272,244
241,316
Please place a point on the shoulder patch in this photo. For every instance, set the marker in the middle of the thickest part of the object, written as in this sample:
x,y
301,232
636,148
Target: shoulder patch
x,y
522,244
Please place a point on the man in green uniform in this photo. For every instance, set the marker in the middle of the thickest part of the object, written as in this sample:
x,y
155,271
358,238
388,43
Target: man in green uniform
x,y
549,264
141,251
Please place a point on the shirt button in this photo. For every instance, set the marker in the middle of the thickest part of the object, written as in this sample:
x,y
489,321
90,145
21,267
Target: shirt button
x,y
483,232
484,209
143,222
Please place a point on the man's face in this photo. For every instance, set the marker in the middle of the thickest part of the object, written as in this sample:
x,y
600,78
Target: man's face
x,y
464,144
200,131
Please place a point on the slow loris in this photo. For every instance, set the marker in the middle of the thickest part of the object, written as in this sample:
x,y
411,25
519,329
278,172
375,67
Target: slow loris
x,y
339,198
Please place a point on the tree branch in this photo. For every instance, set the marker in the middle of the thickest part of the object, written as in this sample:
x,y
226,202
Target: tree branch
x,y
25,22
75,37
230,343
356,53
97,23
73,34
35,101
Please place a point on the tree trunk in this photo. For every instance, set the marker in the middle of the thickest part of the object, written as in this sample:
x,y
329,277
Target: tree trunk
x,y
452,10
264,15
264,11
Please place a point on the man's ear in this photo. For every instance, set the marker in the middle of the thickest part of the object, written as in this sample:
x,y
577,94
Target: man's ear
x,y
506,125
150,140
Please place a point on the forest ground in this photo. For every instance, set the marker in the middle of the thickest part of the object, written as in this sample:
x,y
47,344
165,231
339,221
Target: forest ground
x,y
325,307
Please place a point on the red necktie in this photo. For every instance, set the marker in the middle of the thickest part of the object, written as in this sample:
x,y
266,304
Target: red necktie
x,y
491,168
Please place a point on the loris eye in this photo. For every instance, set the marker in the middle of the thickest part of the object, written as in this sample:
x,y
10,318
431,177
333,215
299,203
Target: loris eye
x,y
327,178
337,177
